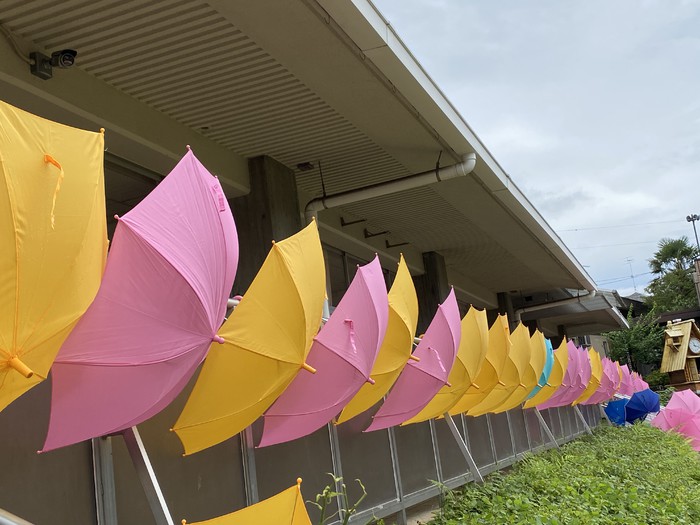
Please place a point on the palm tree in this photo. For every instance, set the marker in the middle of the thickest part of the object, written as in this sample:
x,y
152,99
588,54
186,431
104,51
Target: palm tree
x,y
673,255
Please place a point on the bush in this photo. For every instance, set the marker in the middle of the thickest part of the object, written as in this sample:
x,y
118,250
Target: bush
x,y
657,380
631,475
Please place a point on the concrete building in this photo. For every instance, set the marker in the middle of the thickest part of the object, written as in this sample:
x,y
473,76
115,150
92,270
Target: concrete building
x,y
286,102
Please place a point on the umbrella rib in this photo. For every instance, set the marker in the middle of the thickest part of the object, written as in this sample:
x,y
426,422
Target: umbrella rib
x,y
11,198
50,303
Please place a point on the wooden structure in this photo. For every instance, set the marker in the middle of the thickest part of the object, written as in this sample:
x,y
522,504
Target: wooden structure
x,y
681,354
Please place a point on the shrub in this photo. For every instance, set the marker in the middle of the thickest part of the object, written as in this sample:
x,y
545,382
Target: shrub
x,y
631,476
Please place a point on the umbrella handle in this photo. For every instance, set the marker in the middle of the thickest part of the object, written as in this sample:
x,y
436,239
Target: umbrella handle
x,y
16,363
414,358
308,368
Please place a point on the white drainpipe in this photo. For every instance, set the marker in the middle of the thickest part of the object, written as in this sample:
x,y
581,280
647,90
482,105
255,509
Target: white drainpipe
x,y
384,188
544,306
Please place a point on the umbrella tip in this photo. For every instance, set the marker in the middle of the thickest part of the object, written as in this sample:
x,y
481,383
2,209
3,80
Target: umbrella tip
x,y
102,130
116,217
189,148
217,338
184,522
299,481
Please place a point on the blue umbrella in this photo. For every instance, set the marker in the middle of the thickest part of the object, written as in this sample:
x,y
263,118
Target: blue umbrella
x,y
641,404
546,371
616,411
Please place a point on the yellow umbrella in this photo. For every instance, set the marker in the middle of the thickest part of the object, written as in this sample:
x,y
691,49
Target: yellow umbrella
x,y
54,241
470,356
266,340
533,370
561,361
396,347
596,374
286,507
496,354
510,378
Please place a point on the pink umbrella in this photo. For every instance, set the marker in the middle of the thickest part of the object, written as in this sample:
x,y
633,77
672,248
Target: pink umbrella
x,y
343,354
421,380
163,296
607,383
627,385
570,382
682,414
638,384
685,402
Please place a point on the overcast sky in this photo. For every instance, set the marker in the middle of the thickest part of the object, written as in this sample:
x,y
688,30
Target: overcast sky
x,y
592,107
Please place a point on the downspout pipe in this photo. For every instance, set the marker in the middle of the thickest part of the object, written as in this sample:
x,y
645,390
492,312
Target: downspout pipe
x,y
544,306
385,188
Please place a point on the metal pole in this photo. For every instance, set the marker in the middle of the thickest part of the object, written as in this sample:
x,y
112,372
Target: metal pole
x,y
337,466
545,427
692,218
147,476
397,473
103,472
436,451
463,448
250,471
583,419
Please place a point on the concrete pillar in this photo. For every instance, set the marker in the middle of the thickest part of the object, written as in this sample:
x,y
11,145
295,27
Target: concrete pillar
x,y
432,288
269,212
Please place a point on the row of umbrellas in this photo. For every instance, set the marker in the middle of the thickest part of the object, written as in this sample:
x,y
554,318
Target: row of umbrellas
x,y
123,342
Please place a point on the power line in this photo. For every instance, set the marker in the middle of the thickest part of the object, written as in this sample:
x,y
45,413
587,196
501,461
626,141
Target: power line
x,y
614,245
629,225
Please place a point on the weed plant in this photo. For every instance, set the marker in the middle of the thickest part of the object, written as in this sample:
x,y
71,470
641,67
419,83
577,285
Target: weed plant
x,y
630,476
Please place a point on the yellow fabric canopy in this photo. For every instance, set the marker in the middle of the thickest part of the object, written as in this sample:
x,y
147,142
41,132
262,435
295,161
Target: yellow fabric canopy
x,y
285,508
561,362
533,371
596,374
54,241
509,380
396,347
470,356
267,339
497,351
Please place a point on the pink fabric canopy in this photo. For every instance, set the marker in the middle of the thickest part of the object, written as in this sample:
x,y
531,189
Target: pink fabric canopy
x,y
343,354
682,415
570,383
421,380
607,383
163,296
627,385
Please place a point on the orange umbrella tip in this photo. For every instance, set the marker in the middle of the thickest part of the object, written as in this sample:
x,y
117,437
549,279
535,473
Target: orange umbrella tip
x,y
414,358
299,481
184,522
102,130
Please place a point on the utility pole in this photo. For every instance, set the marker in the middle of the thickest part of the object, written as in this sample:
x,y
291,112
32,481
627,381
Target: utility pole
x,y
629,261
696,274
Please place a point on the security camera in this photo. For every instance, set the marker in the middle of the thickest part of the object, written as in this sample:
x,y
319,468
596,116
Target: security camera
x,y
42,66
64,58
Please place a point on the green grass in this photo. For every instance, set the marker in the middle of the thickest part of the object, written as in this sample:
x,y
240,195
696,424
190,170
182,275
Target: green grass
x,y
632,475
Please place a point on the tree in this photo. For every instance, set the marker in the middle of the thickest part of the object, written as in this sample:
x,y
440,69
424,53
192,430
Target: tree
x,y
673,288
642,344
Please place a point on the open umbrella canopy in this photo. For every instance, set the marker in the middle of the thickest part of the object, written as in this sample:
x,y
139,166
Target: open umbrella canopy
x,y
266,340
498,344
596,367
470,356
163,296
556,376
286,508
685,402
616,411
638,384
421,380
606,388
54,241
668,419
547,367
569,388
343,353
396,347
533,371
627,383
511,376
641,404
